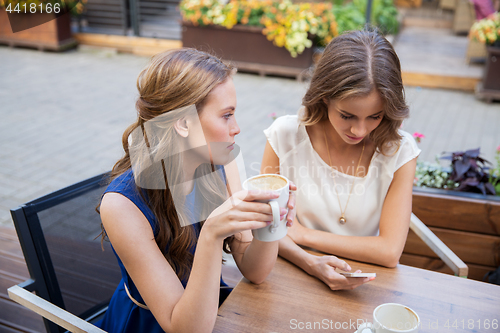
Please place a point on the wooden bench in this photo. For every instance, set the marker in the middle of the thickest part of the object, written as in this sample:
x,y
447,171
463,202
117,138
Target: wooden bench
x,y
467,223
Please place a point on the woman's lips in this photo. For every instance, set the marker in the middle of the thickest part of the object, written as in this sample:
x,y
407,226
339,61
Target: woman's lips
x,y
353,138
231,146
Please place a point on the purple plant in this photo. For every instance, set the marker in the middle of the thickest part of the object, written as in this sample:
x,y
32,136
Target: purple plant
x,y
470,171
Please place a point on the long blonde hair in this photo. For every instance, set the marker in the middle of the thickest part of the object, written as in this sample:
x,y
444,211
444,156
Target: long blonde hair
x,y
173,80
352,65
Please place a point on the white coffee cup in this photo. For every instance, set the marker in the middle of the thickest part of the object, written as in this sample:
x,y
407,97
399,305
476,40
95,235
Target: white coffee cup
x,y
277,183
392,318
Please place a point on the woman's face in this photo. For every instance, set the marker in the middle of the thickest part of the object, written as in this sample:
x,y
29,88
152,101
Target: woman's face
x,y
218,121
356,117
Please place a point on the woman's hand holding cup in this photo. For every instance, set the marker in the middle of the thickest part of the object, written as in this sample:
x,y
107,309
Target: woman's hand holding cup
x,y
245,210
281,186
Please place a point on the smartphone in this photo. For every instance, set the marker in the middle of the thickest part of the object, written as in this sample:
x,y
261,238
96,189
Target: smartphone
x,y
361,275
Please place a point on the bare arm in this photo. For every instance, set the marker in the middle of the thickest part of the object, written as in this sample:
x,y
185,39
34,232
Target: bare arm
x,y
193,309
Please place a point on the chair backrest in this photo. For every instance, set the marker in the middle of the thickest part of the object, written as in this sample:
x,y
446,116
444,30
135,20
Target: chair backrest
x,y
59,236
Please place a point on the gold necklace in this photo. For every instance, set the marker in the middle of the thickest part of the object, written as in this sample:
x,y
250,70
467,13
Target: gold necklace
x,y
342,219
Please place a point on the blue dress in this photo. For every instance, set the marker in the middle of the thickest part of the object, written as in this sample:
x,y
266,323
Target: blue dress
x,y
123,316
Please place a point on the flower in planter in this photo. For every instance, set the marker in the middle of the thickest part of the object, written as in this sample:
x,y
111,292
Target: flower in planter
x,y
433,175
487,30
272,115
418,136
294,26
289,25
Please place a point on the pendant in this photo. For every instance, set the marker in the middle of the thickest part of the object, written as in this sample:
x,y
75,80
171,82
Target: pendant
x,y
342,220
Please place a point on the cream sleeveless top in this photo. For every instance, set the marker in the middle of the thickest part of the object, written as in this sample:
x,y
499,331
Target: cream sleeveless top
x,y
317,204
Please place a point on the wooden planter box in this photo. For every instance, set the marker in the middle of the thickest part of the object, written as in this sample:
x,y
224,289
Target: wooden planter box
x,y
247,48
53,35
469,224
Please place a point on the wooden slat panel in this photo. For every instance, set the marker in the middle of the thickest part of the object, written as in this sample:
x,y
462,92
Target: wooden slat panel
x,y
14,266
8,234
11,249
9,329
13,270
104,13
476,272
105,23
18,317
98,7
115,3
97,12
471,248
458,213
7,281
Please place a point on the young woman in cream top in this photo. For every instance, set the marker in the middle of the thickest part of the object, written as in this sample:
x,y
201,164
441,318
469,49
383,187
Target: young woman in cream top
x,y
353,166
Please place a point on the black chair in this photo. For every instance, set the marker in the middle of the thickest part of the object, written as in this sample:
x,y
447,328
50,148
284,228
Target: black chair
x,y
59,236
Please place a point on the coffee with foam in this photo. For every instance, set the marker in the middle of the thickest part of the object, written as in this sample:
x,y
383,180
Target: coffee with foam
x,y
267,183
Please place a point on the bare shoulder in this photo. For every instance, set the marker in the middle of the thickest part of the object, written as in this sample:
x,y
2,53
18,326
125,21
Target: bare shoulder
x,y
117,210
113,201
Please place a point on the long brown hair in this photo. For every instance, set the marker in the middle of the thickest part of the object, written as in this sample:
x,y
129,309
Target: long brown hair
x,y
173,80
352,65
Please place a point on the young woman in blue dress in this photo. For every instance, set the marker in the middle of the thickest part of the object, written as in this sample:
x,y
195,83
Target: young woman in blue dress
x,y
174,174
352,164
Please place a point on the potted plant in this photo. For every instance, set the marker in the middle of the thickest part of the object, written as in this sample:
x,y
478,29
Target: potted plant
x,y
269,35
457,203
44,24
273,36
487,31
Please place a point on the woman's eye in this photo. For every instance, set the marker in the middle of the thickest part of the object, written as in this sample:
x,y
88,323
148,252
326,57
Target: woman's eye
x,y
227,116
345,117
377,117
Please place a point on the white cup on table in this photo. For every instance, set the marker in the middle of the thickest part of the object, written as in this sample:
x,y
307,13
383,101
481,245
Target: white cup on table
x,y
392,318
276,183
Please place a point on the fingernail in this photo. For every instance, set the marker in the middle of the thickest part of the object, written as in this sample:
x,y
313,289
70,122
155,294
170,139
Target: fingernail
x,y
347,267
283,211
269,222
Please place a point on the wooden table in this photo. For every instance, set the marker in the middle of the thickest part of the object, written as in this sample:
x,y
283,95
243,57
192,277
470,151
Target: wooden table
x,y
290,300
